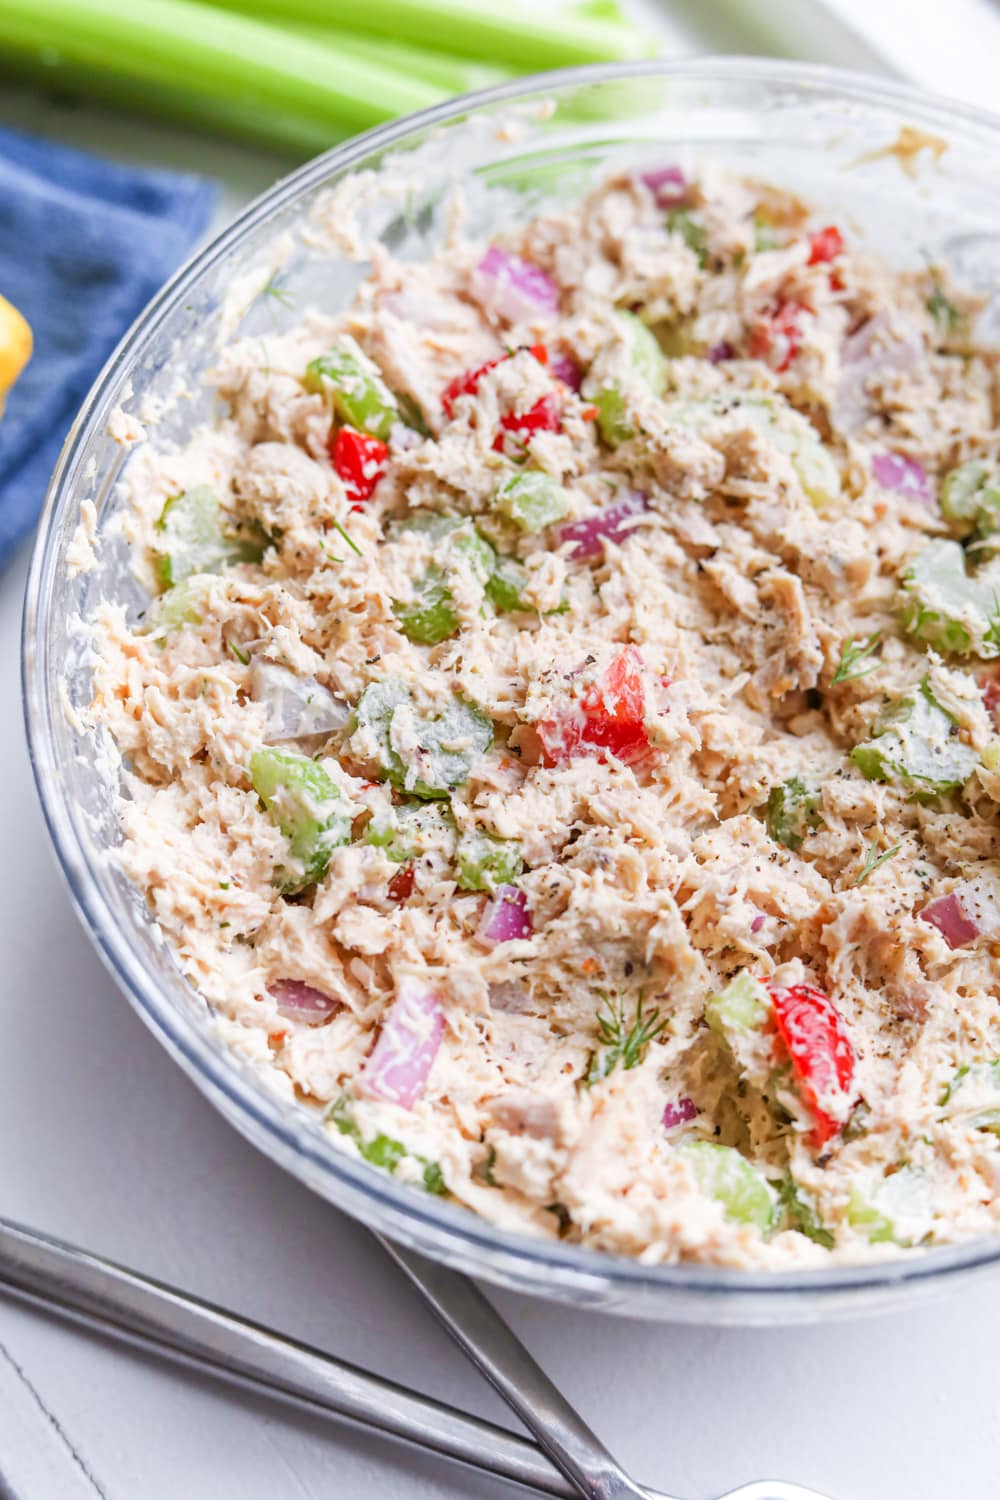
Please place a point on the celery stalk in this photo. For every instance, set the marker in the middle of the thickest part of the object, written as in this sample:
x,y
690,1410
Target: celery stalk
x,y
453,75
229,58
279,131
512,34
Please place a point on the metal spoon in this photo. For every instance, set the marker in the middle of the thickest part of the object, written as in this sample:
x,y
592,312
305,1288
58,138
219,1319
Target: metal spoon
x,y
87,1289
561,1432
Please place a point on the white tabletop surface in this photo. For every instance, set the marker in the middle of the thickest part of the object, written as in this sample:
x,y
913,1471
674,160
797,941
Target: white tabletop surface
x,y
103,1141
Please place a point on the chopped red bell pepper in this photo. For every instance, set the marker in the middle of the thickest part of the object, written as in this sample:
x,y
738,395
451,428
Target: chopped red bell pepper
x,y
776,337
825,244
401,884
465,384
815,1036
360,461
519,427
609,717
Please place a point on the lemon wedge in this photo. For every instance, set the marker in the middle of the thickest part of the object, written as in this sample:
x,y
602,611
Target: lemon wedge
x,y
15,346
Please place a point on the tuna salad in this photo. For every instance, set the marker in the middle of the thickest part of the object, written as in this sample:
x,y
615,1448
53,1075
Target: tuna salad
x,y
561,745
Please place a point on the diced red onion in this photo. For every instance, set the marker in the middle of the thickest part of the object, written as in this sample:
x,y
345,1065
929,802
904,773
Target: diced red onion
x,y
679,1112
668,185
612,524
971,910
757,922
398,1066
506,918
565,368
404,438
720,352
297,1001
523,1112
509,995
874,352
296,706
894,471
514,288
946,914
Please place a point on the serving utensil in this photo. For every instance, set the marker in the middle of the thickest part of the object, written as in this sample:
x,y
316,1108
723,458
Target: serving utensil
x,y
87,1289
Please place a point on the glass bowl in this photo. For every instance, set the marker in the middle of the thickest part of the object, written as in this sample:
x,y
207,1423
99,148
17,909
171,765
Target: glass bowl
x,y
911,175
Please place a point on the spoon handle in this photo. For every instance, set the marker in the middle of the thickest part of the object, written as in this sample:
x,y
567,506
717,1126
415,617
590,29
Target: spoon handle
x,y
87,1289
485,1338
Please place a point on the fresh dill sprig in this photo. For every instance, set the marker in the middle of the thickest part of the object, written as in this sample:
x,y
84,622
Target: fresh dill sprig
x,y
276,291
241,656
352,544
873,860
854,659
801,1213
619,1042
946,315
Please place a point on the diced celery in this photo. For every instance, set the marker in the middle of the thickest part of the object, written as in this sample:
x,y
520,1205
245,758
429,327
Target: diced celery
x,y
306,805
795,436
915,742
814,464
893,1209
382,1150
646,365
990,756
532,499
450,746
373,717
429,523
505,585
950,607
407,832
447,746
681,221
485,862
191,539
744,1005
355,386
189,536
970,500
723,1174
645,354
792,812
612,421
431,617
772,416
455,534
184,604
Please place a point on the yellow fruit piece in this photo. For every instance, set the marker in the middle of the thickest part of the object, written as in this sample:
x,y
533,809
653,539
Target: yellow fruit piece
x,y
15,346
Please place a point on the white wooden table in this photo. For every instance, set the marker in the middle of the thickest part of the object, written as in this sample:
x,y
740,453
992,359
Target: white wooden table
x,y
103,1141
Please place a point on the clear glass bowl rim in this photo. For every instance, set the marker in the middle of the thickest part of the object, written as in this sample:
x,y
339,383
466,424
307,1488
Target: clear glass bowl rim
x,y
437,1228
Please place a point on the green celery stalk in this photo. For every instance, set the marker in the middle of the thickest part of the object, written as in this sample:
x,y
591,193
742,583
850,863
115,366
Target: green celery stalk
x,y
453,75
92,84
229,58
512,34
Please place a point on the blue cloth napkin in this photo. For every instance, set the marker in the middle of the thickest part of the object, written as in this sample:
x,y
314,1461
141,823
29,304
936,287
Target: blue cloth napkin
x,y
84,245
